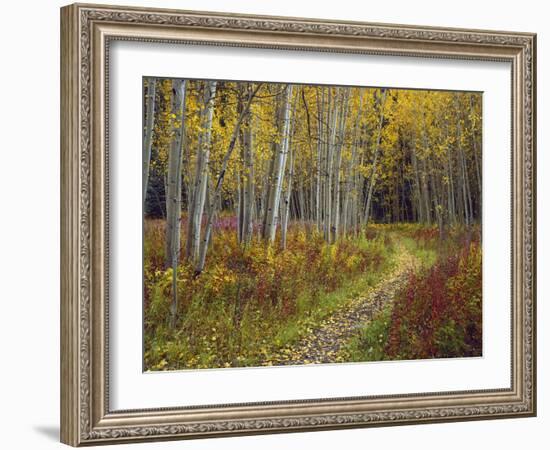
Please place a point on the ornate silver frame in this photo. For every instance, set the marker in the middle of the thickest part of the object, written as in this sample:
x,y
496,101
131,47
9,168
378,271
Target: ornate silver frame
x,y
86,31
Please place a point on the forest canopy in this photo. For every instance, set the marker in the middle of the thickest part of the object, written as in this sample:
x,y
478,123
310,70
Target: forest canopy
x,y
389,155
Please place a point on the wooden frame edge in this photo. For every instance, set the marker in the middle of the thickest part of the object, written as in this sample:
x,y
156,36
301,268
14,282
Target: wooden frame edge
x,y
85,419
69,432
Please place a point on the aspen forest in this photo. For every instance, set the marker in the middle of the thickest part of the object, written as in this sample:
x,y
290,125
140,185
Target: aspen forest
x,y
291,224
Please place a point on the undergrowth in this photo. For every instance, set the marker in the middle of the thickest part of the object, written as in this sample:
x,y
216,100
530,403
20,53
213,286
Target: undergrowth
x,y
251,301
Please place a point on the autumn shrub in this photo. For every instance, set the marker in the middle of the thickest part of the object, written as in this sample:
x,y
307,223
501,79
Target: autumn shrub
x,y
247,295
438,313
425,236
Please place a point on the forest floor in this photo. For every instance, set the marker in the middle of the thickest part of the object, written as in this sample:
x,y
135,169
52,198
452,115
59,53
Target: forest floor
x,y
394,292
327,343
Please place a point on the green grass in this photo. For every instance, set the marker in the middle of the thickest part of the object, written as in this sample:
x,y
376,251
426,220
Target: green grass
x,y
217,331
369,344
454,317
249,305
315,310
425,254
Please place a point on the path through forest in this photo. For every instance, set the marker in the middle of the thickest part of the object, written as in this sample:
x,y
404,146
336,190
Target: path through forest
x,y
325,343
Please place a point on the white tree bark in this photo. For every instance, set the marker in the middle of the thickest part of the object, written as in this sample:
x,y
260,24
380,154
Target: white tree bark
x,y
148,138
330,166
338,163
173,194
320,131
372,180
465,188
476,160
288,191
286,202
201,175
212,211
246,173
278,171
249,182
350,178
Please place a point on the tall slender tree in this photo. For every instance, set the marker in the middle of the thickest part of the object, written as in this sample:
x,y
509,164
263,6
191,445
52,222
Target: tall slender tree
x,y
149,127
173,196
212,211
201,174
372,179
279,161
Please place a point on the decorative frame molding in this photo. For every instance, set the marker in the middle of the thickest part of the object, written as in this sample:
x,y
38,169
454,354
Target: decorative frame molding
x,y
86,31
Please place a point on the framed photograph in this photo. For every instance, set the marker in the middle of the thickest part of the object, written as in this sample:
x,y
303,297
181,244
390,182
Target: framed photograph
x,y
276,224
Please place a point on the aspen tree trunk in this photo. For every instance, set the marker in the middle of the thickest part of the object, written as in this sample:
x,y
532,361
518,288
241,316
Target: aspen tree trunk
x,y
240,206
270,180
372,180
465,188
286,201
476,161
467,182
240,175
478,176
278,171
212,210
404,210
148,138
467,215
345,204
333,110
464,194
303,207
173,195
468,191
433,188
436,202
459,196
324,161
188,181
267,189
173,181
351,169
248,216
264,197
426,192
338,164
450,191
418,186
451,210
358,194
285,209
201,175
320,131
325,185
